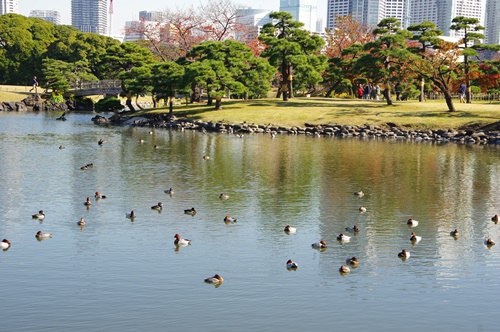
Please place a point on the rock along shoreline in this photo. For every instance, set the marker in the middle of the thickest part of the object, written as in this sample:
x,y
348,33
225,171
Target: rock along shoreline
x,y
466,136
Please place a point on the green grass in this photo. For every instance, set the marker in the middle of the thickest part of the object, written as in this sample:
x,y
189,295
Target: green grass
x,y
298,111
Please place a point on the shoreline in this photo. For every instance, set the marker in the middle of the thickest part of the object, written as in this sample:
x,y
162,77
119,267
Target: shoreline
x,y
464,136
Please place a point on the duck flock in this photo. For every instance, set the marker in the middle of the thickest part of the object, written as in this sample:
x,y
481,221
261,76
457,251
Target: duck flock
x,y
217,280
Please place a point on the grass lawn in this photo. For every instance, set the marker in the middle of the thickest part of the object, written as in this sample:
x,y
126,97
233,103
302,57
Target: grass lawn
x,y
431,114
298,111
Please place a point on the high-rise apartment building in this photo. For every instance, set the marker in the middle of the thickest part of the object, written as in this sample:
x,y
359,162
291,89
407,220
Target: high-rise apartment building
x,y
493,22
304,11
9,6
47,15
90,15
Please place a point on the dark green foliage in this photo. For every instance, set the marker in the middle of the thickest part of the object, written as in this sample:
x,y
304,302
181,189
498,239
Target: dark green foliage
x,y
109,104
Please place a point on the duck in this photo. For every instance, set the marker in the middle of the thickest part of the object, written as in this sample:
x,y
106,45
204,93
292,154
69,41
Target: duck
x,y
141,141
155,147
404,254
190,211
291,265
415,238
344,269
81,222
98,195
495,218
343,238
169,191
40,215
362,209
359,193
87,202
289,229
42,235
489,241
158,206
412,223
91,165
229,219
216,279
130,215
455,233
352,261
101,141
319,245
61,147
354,229
181,242
84,168
223,196
205,157
5,244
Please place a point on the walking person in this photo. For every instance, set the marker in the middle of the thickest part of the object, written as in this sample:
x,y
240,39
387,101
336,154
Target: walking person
x,y
461,92
398,91
35,85
377,92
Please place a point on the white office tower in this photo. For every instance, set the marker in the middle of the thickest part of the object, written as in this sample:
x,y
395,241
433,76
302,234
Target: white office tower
x,y
90,16
253,20
304,11
367,12
9,6
47,15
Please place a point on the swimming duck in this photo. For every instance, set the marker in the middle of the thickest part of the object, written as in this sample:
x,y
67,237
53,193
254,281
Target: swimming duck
x,y
344,269
362,209
155,147
40,215
5,244
404,254
343,238
181,242
101,142
291,265
87,202
455,233
91,165
81,222
352,261
190,211
412,223
98,195
495,218
223,196
489,241
84,168
229,219
289,229
216,279
359,193
354,229
130,215
141,141
319,245
61,147
170,191
158,206
41,235
415,238
205,157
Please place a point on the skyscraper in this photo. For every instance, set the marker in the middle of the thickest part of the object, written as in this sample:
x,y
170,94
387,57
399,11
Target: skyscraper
x,y
89,15
47,15
9,6
304,11
493,22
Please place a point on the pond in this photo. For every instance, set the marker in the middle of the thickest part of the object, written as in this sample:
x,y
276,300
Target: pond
x,y
123,274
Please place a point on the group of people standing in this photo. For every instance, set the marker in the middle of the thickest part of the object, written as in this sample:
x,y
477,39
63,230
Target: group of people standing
x,y
369,91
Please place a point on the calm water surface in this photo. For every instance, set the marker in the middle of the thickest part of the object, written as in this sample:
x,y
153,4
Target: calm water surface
x,y
126,276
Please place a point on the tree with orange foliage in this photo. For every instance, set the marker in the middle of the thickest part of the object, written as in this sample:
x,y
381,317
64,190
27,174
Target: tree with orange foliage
x,y
347,31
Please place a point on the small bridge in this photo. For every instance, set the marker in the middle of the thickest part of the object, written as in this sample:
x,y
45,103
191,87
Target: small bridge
x,y
89,88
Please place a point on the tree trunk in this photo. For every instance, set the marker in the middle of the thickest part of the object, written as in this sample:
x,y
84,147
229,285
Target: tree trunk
x,y
218,102
449,101
195,96
387,95
170,107
129,102
153,99
137,102
467,79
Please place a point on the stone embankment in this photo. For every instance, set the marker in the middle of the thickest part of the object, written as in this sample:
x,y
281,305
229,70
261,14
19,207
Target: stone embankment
x,y
36,103
390,131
